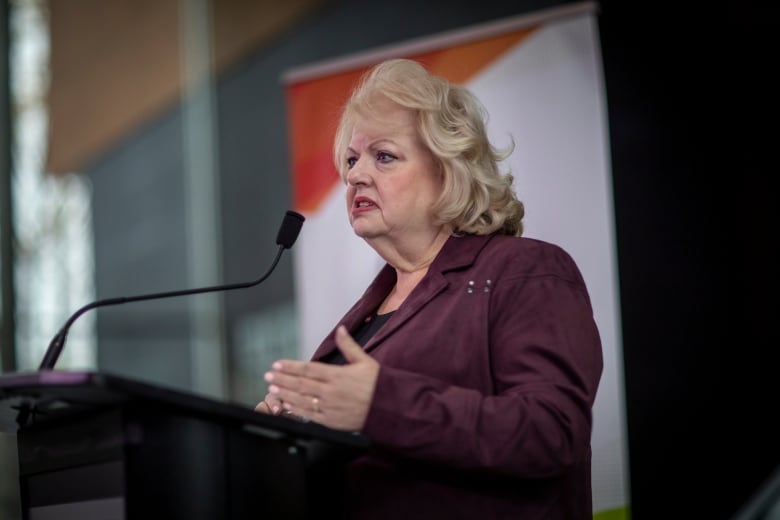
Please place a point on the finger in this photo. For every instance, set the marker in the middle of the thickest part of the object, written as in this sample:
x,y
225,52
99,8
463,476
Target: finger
x,y
268,408
310,408
316,406
303,370
292,383
271,404
290,400
348,346
286,381
289,366
305,404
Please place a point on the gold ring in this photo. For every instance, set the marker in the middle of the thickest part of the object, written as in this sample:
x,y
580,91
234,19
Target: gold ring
x,y
315,404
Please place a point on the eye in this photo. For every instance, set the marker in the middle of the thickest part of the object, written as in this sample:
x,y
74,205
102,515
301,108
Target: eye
x,y
351,162
385,157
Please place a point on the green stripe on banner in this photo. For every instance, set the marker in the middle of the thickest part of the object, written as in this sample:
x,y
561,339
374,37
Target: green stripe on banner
x,y
619,513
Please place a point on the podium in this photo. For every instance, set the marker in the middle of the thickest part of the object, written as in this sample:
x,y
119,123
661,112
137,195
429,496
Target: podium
x,y
99,446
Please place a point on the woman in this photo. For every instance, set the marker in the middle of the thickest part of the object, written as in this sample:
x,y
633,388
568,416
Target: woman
x,y
472,360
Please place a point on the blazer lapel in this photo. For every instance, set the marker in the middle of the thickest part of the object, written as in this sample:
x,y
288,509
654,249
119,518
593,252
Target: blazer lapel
x,y
425,291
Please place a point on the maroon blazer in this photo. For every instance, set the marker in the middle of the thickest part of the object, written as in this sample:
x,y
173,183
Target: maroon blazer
x,y
482,408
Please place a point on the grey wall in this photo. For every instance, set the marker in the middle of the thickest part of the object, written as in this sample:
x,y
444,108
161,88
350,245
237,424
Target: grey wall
x,y
140,248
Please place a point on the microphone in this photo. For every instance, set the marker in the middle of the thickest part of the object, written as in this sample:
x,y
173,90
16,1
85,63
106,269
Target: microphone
x,y
285,238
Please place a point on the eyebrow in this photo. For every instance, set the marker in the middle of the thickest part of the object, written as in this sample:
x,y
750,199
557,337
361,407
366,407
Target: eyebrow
x,y
374,144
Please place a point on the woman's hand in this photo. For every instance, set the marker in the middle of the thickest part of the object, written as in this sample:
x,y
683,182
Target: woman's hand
x,y
270,405
337,396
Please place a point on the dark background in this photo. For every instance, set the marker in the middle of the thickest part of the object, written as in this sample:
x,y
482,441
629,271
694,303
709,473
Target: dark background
x,y
689,96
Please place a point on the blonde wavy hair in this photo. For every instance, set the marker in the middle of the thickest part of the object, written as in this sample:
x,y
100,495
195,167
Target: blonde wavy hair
x,y
477,198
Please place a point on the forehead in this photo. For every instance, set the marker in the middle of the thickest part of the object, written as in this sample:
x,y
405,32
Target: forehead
x,y
384,121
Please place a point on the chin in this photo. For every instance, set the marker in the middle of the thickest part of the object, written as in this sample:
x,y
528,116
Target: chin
x,y
364,231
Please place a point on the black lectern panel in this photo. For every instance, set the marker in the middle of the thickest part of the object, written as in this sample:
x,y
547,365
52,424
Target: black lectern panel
x,y
95,445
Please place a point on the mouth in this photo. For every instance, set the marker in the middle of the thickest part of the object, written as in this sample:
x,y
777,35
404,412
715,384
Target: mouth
x,y
361,204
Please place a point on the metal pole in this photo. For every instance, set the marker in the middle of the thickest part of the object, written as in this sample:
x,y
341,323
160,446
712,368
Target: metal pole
x,y
202,187
7,299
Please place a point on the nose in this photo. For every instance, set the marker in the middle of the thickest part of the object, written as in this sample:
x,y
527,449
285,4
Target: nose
x,y
357,175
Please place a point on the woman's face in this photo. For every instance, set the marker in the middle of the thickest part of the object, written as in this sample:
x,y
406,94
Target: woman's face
x,y
392,178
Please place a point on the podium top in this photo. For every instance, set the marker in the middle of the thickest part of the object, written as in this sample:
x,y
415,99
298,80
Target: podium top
x,y
31,398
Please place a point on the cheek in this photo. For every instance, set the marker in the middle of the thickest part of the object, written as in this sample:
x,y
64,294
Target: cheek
x,y
425,193
435,189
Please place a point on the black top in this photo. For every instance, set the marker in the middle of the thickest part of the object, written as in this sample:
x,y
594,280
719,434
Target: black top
x,y
362,334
